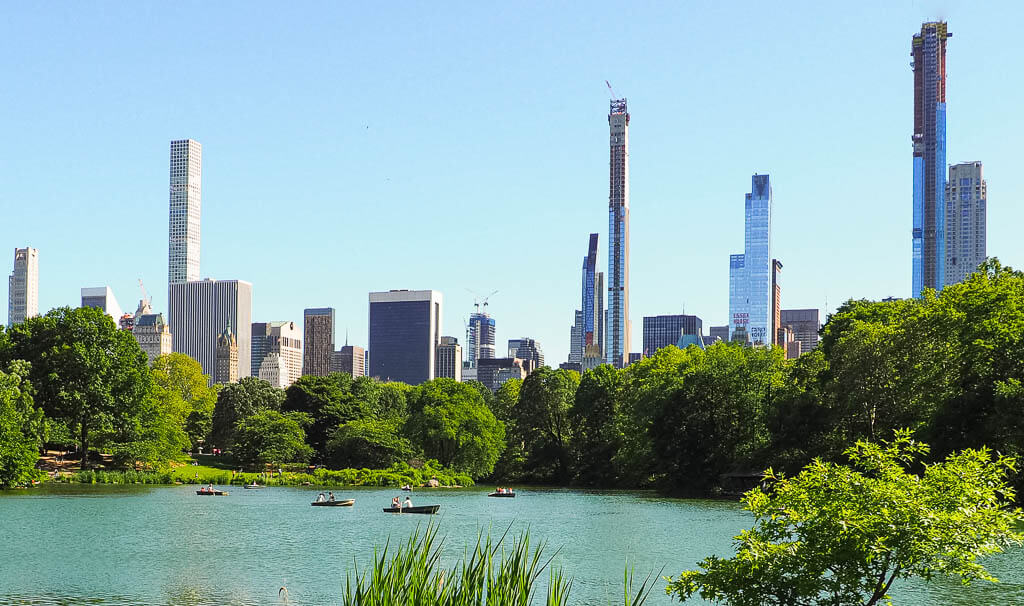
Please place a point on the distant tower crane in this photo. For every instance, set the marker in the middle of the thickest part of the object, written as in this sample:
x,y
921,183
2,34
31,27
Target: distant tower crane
x,y
478,298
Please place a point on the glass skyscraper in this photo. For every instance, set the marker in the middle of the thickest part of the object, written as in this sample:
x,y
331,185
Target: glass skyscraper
x,y
618,328
750,274
185,205
405,330
928,48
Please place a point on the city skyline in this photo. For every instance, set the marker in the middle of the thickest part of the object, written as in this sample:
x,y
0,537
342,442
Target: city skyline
x,y
244,190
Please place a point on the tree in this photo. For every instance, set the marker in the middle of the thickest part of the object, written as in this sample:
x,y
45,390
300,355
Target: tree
x,y
84,370
594,415
237,402
21,426
268,436
368,443
541,420
184,377
453,425
840,535
329,401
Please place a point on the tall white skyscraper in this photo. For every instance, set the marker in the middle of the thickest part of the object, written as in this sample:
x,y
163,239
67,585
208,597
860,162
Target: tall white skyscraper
x,y
186,202
23,286
966,206
750,274
619,328
199,313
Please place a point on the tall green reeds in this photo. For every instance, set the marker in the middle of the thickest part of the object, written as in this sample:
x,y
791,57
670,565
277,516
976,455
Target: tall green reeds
x,y
492,574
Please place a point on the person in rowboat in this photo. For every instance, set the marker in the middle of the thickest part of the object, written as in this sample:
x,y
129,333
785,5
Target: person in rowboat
x,y
330,497
396,503
407,504
320,498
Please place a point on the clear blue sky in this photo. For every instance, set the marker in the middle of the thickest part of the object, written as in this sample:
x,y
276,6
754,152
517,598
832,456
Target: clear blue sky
x,y
351,147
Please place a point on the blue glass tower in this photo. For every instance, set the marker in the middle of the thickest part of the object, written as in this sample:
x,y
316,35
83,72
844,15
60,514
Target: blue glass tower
x,y
589,302
617,337
750,274
928,238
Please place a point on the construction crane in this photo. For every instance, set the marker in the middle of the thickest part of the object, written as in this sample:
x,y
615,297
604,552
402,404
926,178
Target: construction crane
x,y
610,91
478,297
145,296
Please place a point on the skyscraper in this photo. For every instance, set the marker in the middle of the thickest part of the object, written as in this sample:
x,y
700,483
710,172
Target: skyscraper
x,y
591,314
662,331
576,338
200,310
526,348
186,193
23,286
966,205
805,326
405,330
226,370
928,48
152,335
776,300
480,337
319,337
750,274
282,339
449,359
351,360
102,297
618,337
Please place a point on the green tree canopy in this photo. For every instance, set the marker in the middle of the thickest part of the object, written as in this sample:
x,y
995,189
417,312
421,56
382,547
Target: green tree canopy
x,y
368,443
184,377
85,371
837,535
268,436
542,425
237,402
453,425
595,417
21,426
329,401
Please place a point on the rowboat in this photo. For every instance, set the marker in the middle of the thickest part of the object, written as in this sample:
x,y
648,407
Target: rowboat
x,y
345,503
252,486
420,509
502,494
407,488
212,493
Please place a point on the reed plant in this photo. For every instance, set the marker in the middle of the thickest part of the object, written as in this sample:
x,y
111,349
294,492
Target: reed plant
x,y
493,573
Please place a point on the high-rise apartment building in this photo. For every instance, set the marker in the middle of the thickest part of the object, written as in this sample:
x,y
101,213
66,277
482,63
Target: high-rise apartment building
x,y
199,311
405,330
102,298
350,360
493,372
966,208
480,338
282,339
319,338
576,338
526,348
618,335
449,359
662,331
226,370
750,274
776,299
152,335
928,48
23,286
185,206
805,325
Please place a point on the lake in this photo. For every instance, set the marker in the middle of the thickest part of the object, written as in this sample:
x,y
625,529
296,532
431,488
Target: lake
x,y
75,544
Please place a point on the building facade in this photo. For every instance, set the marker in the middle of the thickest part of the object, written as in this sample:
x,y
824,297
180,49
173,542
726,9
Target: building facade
x,y
102,298
750,274
186,196
662,331
449,359
152,335
480,338
405,330
719,332
776,298
526,348
576,338
805,324
493,372
199,311
928,255
226,370
23,286
274,370
318,324
618,327
966,221
350,360
283,339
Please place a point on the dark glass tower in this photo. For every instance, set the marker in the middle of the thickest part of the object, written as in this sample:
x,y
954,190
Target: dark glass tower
x,y
618,331
928,48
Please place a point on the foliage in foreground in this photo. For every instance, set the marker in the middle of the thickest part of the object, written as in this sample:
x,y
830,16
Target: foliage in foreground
x,y
21,424
490,573
841,535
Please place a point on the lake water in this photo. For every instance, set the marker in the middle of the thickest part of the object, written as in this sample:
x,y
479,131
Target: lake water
x,y
71,544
